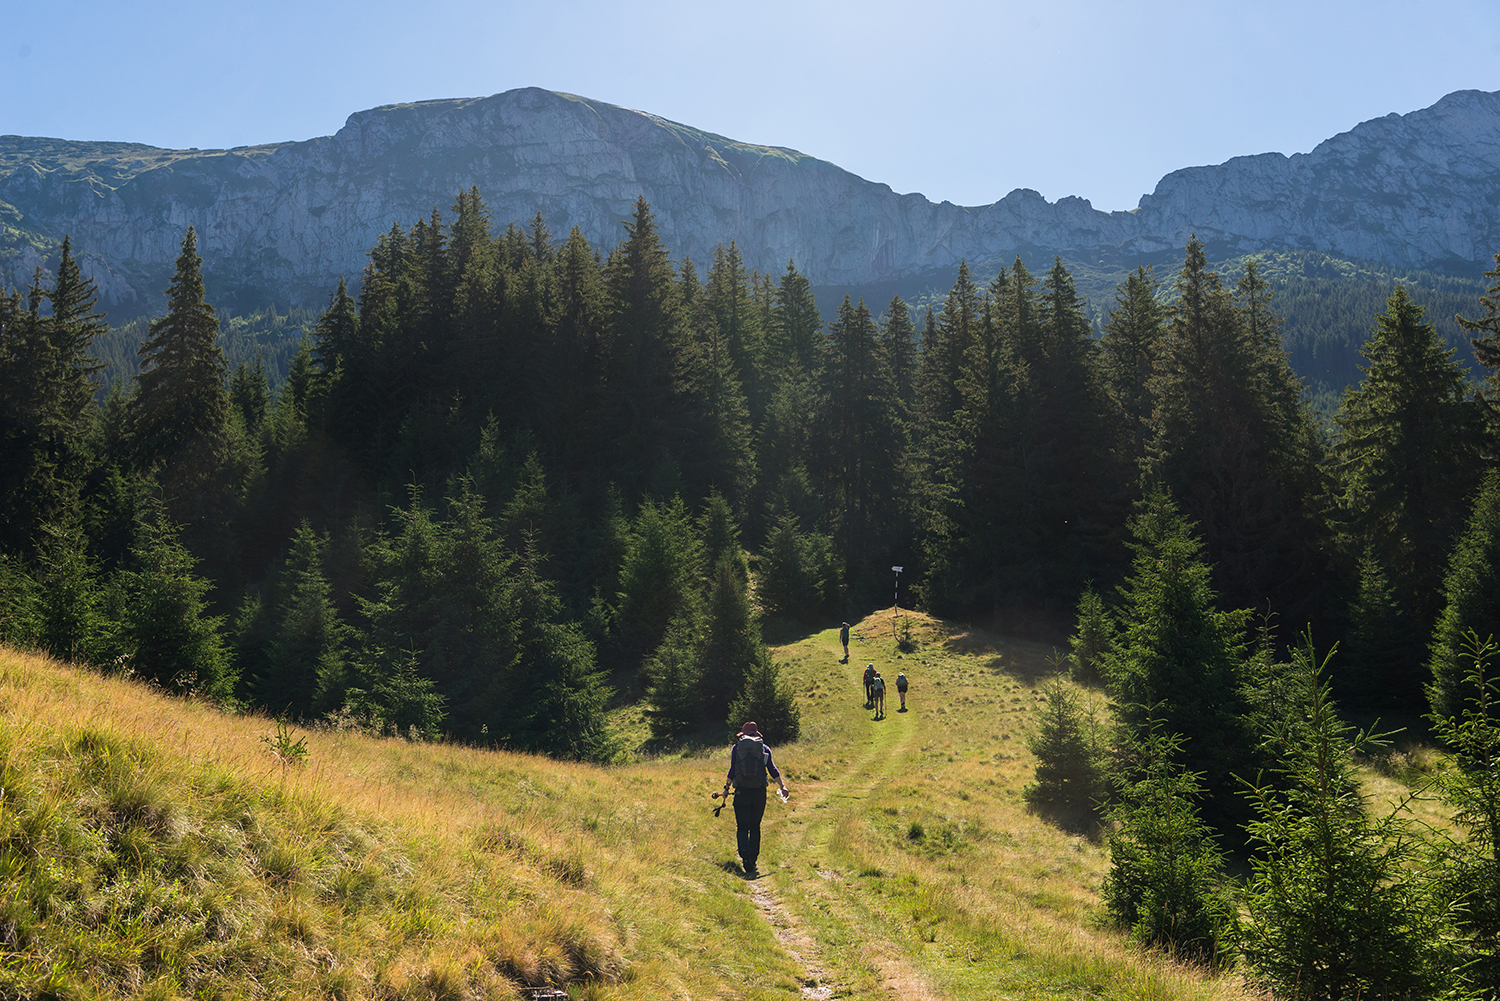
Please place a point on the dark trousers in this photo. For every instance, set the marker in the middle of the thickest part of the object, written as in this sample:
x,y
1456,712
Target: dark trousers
x,y
749,808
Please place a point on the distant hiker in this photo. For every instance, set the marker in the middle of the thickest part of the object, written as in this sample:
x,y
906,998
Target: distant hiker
x,y
844,639
869,691
901,684
877,688
749,761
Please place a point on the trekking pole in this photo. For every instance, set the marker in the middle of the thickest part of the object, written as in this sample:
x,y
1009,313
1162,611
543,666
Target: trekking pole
x,y
722,796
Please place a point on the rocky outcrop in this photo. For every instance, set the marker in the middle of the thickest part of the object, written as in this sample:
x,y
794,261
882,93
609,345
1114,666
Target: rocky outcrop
x,y
282,222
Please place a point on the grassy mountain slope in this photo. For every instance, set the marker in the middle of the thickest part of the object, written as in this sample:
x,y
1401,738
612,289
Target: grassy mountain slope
x,y
152,847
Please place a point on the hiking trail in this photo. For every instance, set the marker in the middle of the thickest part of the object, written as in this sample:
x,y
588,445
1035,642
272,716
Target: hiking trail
x,y
808,891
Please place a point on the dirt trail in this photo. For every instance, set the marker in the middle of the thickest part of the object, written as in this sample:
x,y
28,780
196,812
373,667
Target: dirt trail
x,y
805,836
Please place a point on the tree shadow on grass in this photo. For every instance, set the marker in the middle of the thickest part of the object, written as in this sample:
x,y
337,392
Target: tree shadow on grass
x,y
1087,822
777,631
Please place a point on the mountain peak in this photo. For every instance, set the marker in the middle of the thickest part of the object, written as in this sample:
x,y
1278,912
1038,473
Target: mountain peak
x,y
283,221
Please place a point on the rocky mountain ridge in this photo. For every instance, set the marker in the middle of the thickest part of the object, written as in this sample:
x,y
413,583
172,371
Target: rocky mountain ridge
x,y
280,223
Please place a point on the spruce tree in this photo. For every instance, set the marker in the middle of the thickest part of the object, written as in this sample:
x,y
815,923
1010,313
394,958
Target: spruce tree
x,y
768,699
1166,882
1069,783
798,323
181,406
307,650
1487,345
1409,445
73,328
1471,595
167,630
562,710
1469,865
47,388
70,620
728,297
660,582
1335,909
1381,651
723,454
1132,339
644,405
858,440
1236,447
1179,662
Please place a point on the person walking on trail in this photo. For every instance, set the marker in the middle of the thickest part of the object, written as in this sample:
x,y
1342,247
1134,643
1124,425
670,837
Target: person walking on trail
x,y
844,639
749,761
869,689
901,686
877,688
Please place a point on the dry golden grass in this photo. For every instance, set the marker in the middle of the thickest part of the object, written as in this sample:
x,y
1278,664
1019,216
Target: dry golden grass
x,y
905,865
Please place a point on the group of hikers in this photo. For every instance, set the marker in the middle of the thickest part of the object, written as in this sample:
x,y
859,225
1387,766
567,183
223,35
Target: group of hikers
x,y
750,763
875,690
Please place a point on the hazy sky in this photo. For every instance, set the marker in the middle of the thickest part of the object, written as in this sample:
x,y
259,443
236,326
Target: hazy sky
x,y
961,101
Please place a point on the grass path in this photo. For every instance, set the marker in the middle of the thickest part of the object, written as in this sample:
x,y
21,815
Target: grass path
x,y
813,902
906,866
807,833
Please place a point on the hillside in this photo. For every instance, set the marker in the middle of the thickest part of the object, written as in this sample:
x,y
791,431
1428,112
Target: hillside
x,y
154,847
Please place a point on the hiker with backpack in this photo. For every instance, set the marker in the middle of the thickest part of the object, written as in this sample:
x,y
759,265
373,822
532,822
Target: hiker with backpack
x,y
749,761
869,680
844,639
901,686
877,688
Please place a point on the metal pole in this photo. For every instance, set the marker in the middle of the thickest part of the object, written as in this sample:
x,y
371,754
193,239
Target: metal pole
x,y
896,603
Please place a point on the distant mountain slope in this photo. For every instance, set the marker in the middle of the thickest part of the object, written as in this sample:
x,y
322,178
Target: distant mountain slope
x,y
279,223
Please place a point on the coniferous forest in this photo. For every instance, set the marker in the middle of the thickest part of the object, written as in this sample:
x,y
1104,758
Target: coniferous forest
x,y
515,480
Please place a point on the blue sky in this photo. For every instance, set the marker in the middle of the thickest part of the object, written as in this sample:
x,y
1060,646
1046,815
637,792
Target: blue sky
x,y
957,100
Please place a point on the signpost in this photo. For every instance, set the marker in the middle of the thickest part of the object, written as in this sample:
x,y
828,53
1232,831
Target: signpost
x,y
896,602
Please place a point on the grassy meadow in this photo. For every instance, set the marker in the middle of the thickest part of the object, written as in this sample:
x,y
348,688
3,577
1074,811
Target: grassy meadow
x,y
157,848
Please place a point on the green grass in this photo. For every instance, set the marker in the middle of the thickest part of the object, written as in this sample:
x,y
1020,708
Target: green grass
x,y
152,847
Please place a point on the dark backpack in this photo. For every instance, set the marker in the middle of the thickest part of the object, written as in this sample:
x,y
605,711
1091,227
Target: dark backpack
x,y
750,763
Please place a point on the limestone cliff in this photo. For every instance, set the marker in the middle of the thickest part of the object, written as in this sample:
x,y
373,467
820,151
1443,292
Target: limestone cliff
x,y
282,222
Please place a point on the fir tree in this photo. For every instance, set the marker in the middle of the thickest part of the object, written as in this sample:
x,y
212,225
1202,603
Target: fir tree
x,y
1166,880
167,630
1471,594
1069,783
1469,867
1409,453
1180,662
181,406
1129,348
1335,911
1487,345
